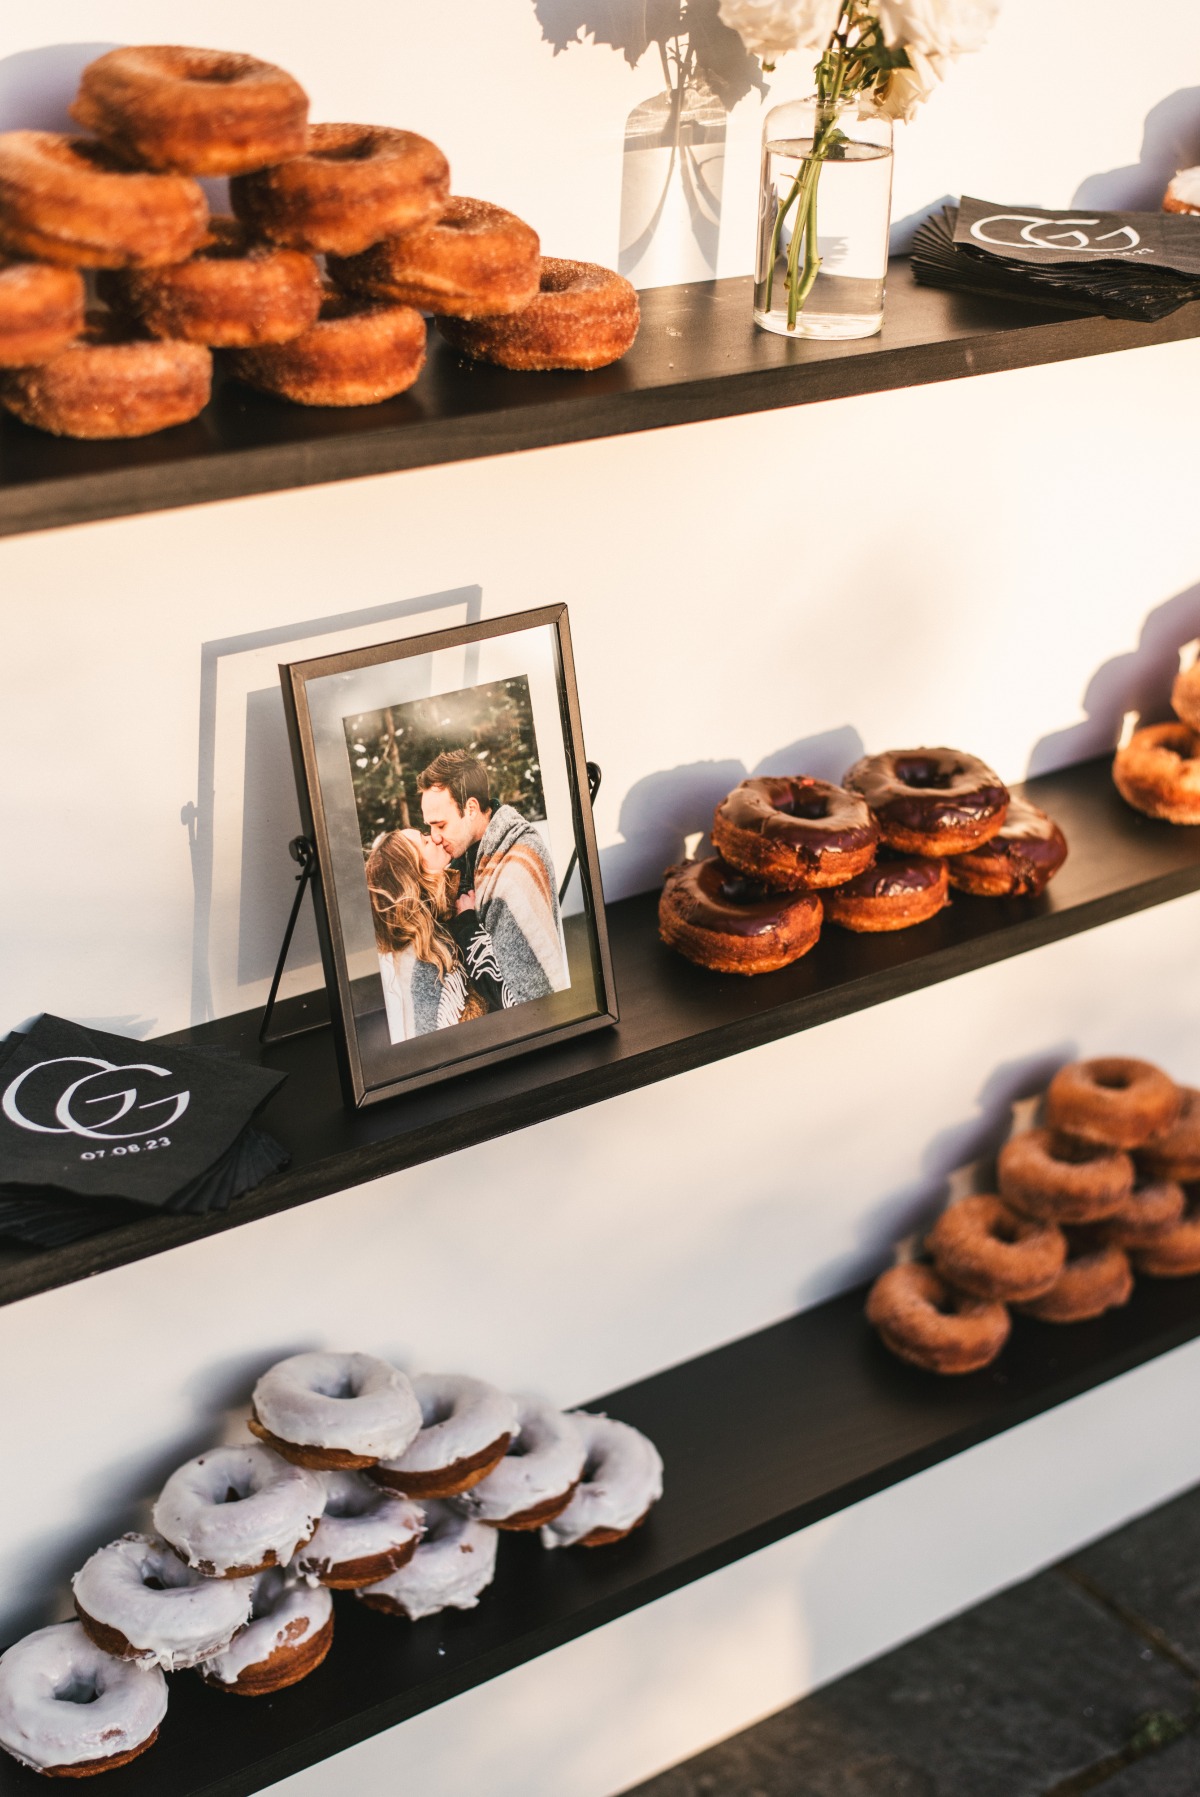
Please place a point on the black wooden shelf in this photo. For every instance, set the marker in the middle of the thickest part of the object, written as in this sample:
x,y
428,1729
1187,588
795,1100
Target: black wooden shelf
x,y
759,1439
698,356
673,1017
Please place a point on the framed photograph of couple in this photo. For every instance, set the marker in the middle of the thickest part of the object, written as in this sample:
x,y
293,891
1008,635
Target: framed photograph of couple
x,y
442,780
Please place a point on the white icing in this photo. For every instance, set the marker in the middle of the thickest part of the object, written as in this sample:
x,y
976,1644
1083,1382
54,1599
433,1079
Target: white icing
x,y
275,1508
1185,187
360,1520
544,1462
460,1417
64,1702
621,1479
349,1401
186,1619
452,1565
285,1612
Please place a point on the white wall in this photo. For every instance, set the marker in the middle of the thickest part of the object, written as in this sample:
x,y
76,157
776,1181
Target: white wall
x,y
1005,563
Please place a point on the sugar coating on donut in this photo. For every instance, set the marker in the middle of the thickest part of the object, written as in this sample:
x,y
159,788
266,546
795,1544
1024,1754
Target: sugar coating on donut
x,y
1185,695
1175,1252
455,1561
350,186
110,383
41,311
1112,1100
460,1419
1158,773
1045,1175
286,1616
1097,1277
69,200
622,1479
541,1468
200,112
363,1526
65,1702
168,1614
584,316
984,1248
1174,1153
360,351
923,1319
474,261
355,1403
233,293
235,1510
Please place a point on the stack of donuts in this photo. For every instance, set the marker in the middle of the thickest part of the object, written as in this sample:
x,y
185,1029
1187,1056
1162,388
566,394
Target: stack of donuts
x,y
373,202
879,852
1085,1200
1158,770
361,1480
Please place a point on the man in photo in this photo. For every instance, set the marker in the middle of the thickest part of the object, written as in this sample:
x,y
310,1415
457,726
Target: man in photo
x,y
506,877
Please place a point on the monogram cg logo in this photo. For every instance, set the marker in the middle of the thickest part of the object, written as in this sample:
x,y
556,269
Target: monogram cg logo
x,y
1039,233
58,1095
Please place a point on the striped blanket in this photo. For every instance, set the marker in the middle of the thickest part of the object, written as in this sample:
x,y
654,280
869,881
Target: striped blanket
x,y
517,902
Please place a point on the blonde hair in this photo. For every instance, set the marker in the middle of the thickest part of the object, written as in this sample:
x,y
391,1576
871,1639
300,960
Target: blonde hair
x,y
408,907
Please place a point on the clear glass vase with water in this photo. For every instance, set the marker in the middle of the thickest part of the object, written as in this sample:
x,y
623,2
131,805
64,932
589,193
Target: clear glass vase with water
x,y
823,219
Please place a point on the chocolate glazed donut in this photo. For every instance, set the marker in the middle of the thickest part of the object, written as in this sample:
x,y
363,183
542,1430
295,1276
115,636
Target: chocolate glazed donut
x,y
900,890
931,801
795,833
718,918
1020,860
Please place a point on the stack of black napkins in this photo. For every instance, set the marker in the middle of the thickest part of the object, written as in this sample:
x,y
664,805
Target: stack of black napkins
x,y
96,1130
1120,264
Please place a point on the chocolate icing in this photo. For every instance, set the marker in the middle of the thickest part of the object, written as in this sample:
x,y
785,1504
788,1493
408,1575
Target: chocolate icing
x,y
1029,842
810,817
711,895
893,876
928,789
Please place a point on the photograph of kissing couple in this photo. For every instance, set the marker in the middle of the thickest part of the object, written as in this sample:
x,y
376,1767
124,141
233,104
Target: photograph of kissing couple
x,y
458,862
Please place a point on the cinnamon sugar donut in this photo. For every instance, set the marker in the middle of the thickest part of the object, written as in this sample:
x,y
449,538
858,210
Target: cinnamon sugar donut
x,y
931,801
41,311
1060,1181
584,316
1097,1277
1185,696
1019,861
110,384
926,1321
899,891
349,186
1150,1209
1158,773
475,261
68,1709
288,1634
983,1248
194,112
69,200
795,833
234,293
358,352
1175,1153
721,920
1175,1252
1114,1101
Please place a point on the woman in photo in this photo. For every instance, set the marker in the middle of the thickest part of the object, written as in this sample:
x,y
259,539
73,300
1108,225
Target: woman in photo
x,y
425,985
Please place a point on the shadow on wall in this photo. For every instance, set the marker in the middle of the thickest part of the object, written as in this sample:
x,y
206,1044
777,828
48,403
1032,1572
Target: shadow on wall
x,y
1138,681
662,811
1170,141
674,160
36,86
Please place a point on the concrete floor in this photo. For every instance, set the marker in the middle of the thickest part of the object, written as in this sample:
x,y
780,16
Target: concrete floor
x,y
1086,1678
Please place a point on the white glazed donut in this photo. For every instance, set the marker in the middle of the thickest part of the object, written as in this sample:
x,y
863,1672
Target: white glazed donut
x,y
454,1563
67,1707
364,1534
138,1600
622,1480
335,1411
234,1511
467,1428
288,1635
537,1477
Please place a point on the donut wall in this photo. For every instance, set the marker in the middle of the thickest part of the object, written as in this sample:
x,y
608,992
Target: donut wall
x,y
936,582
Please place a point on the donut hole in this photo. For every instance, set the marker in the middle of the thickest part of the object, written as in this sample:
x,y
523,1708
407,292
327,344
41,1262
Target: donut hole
x,y
1006,1230
233,1495
78,1687
352,1501
925,775
356,149
1073,1153
336,1384
1112,1080
213,74
440,1411
737,890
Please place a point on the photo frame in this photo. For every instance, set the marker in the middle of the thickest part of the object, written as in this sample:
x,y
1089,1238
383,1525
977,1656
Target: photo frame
x,y
443,783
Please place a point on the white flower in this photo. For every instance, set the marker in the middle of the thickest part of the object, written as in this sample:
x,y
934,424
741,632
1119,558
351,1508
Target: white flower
x,y
770,28
909,88
938,27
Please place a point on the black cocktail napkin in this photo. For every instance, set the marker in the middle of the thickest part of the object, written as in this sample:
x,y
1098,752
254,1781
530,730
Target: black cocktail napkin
x,y
96,1129
1121,264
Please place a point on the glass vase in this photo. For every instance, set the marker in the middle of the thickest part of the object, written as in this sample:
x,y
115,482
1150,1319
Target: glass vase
x,y
671,187
824,210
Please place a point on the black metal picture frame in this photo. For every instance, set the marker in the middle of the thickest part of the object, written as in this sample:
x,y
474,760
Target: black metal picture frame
x,y
462,993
